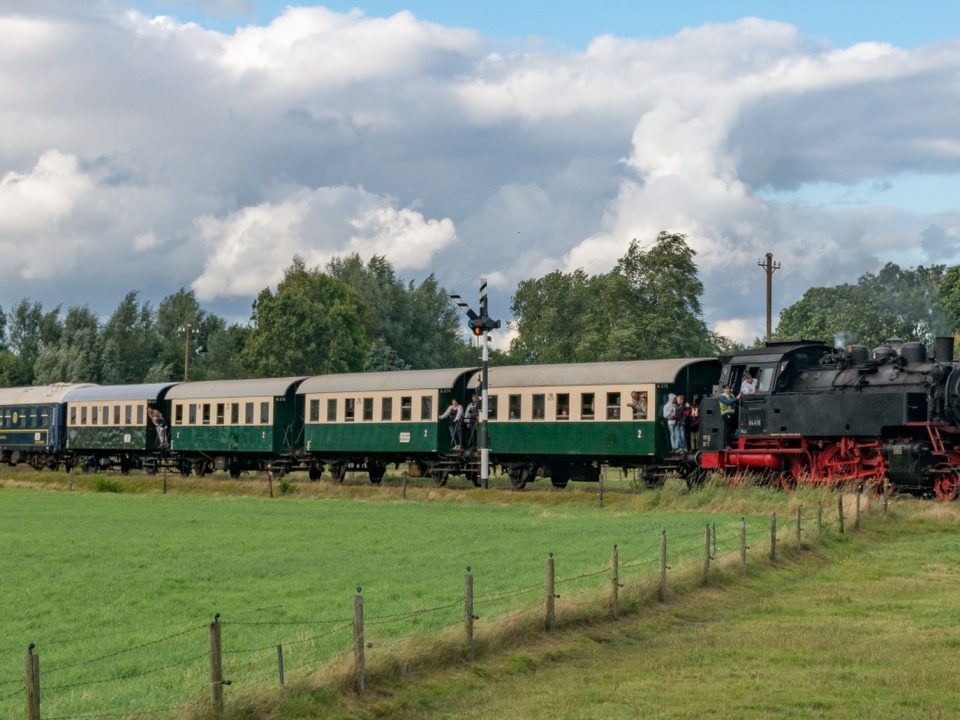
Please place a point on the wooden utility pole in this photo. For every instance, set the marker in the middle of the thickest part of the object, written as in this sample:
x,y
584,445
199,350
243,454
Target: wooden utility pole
x,y
186,352
769,266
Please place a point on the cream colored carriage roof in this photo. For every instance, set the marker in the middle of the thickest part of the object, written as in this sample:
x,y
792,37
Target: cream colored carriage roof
x,y
211,389
626,372
115,393
383,381
39,394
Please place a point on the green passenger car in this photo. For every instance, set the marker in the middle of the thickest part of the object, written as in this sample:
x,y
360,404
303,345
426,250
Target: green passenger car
x,y
118,425
364,421
236,425
566,421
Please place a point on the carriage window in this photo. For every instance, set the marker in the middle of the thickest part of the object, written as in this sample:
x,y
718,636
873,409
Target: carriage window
x,y
116,414
178,414
492,400
264,413
44,417
513,407
406,408
139,414
83,415
220,413
94,415
235,413
206,413
331,410
105,415
386,409
539,407
128,414
248,413
315,410
586,406
193,414
73,415
613,406
563,406
638,404
367,409
765,381
426,408
349,405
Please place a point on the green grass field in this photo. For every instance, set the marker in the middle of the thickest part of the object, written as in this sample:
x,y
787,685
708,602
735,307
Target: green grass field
x,y
867,627
116,590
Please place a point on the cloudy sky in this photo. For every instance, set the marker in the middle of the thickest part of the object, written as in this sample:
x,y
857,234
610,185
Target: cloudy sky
x,y
159,144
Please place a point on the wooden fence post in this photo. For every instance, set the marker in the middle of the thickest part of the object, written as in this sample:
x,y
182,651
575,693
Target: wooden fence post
x,y
799,537
70,475
280,663
468,617
359,661
706,554
856,517
31,684
840,511
663,566
615,582
601,487
270,481
886,493
773,537
404,486
550,621
743,545
819,518
216,668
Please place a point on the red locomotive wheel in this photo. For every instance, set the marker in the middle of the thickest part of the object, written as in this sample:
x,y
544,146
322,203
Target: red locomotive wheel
x,y
946,486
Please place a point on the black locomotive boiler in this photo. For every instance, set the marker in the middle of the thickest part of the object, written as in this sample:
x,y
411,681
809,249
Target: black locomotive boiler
x,y
826,416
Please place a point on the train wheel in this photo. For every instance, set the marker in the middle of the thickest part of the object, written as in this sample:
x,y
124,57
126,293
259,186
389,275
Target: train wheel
x,y
184,467
474,477
315,471
235,470
376,471
560,478
835,465
797,474
439,476
338,471
651,478
946,484
694,479
518,478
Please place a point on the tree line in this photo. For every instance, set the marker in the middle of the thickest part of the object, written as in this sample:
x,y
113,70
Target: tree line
x,y
355,316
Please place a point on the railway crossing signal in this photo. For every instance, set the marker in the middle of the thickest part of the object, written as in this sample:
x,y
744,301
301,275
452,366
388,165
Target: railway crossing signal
x,y
481,324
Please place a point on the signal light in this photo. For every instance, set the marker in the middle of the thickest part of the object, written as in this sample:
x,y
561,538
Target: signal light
x,y
477,330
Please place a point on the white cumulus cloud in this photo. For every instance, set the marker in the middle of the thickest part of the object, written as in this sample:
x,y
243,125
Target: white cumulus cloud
x,y
248,249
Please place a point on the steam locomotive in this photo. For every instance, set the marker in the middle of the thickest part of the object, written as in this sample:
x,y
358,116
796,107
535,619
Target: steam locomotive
x,y
825,416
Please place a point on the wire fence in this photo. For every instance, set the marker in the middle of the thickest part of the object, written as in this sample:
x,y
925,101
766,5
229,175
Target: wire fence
x,y
196,665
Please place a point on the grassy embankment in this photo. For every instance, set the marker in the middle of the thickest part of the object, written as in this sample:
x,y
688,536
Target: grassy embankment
x,y
91,577
866,627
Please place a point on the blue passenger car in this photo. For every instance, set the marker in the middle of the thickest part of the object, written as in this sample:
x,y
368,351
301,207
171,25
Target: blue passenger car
x,y
33,424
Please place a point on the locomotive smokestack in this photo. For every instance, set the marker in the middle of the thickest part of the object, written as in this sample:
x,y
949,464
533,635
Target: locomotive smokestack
x,y
943,348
